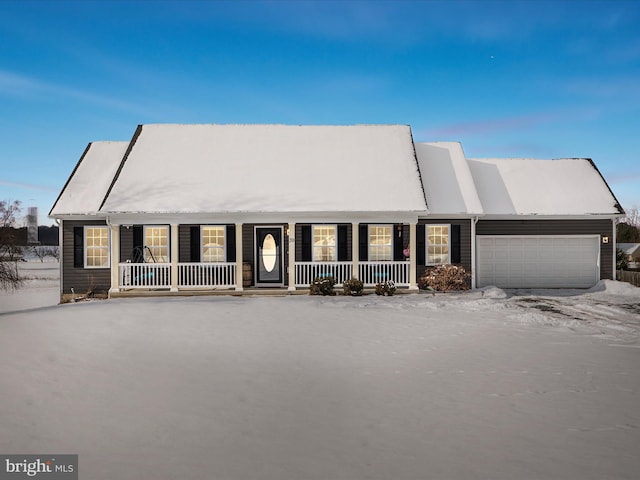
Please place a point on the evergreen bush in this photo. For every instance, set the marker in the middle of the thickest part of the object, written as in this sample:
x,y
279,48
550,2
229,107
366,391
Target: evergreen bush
x,y
322,286
353,287
386,288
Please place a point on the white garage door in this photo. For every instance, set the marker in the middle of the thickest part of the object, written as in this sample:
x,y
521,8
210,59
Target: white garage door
x,y
510,261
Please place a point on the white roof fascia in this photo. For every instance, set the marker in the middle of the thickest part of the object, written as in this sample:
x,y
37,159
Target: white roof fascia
x,y
447,180
142,218
585,216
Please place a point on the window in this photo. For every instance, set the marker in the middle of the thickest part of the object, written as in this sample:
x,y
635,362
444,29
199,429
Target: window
x,y
156,242
324,243
380,243
437,244
96,247
213,244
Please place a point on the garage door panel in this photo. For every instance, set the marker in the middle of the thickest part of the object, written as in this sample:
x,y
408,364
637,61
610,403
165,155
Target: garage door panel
x,y
538,261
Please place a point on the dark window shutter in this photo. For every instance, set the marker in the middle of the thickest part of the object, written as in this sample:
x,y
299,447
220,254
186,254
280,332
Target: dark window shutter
x,y
194,241
231,243
343,246
455,244
137,253
363,242
138,236
397,243
420,245
305,242
78,247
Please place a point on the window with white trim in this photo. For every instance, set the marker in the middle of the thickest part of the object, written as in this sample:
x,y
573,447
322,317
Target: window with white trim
x,y
380,243
96,247
213,243
325,243
438,246
156,242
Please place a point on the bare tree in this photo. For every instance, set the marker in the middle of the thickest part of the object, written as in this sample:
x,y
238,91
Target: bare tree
x,y
44,251
632,216
10,252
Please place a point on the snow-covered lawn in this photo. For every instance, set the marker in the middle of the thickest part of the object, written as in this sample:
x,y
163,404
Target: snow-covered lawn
x,y
482,385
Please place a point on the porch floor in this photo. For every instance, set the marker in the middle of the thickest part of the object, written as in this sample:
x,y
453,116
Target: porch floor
x,y
258,291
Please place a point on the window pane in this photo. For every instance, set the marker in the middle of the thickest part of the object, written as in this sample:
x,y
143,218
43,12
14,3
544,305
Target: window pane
x,y
324,243
156,239
213,243
437,244
96,247
380,241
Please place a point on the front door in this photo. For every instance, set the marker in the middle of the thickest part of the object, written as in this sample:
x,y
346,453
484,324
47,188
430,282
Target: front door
x,y
268,266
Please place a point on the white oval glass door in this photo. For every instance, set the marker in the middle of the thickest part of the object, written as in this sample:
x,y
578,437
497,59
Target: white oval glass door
x,y
269,253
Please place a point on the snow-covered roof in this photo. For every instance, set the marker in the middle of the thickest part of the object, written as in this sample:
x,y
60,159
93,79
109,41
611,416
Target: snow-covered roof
x,y
521,186
447,180
268,168
629,248
90,179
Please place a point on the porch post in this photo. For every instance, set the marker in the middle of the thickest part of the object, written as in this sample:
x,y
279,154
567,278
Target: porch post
x,y
239,259
291,267
413,275
355,250
174,257
115,259
474,220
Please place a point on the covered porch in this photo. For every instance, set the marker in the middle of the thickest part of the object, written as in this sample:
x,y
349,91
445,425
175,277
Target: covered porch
x,y
253,257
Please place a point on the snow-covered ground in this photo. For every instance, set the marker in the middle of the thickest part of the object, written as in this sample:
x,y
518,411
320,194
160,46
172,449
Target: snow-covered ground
x,y
482,385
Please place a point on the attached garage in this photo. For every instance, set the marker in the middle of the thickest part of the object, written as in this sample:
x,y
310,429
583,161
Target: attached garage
x,y
538,261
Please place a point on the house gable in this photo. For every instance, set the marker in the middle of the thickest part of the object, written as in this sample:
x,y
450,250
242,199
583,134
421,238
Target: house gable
x,y
90,179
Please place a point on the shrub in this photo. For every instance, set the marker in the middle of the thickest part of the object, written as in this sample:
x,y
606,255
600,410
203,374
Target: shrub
x,y
621,260
322,286
386,288
353,287
445,278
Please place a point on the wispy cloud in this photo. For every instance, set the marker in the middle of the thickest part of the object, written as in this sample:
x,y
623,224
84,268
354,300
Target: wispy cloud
x,y
28,186
624,177
485,126
517,122
16,84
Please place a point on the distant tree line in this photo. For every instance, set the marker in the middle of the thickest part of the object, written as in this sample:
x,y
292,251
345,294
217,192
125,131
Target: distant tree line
x,y
628,229
46,235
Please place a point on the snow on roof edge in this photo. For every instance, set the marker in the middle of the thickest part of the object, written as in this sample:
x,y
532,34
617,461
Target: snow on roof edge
x,y
73,172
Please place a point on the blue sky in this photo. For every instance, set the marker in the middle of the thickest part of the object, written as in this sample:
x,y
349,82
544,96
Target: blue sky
x,y
542,79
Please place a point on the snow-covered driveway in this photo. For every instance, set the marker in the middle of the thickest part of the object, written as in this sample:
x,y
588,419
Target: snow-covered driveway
x,y
481,385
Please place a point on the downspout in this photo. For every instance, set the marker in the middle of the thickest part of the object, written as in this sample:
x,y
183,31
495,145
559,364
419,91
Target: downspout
x,y
474,220
60,255
615,250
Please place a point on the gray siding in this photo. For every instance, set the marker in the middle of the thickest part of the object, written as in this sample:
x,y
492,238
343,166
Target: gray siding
x,y
126,243
465,241
557,227
82,280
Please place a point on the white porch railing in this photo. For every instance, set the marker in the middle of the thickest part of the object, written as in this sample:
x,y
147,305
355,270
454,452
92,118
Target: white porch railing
x,y
145,275
372,273
307,271
206,275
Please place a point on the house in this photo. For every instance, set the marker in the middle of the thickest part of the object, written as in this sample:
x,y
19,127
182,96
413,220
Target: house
x,y
235,207
632,254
